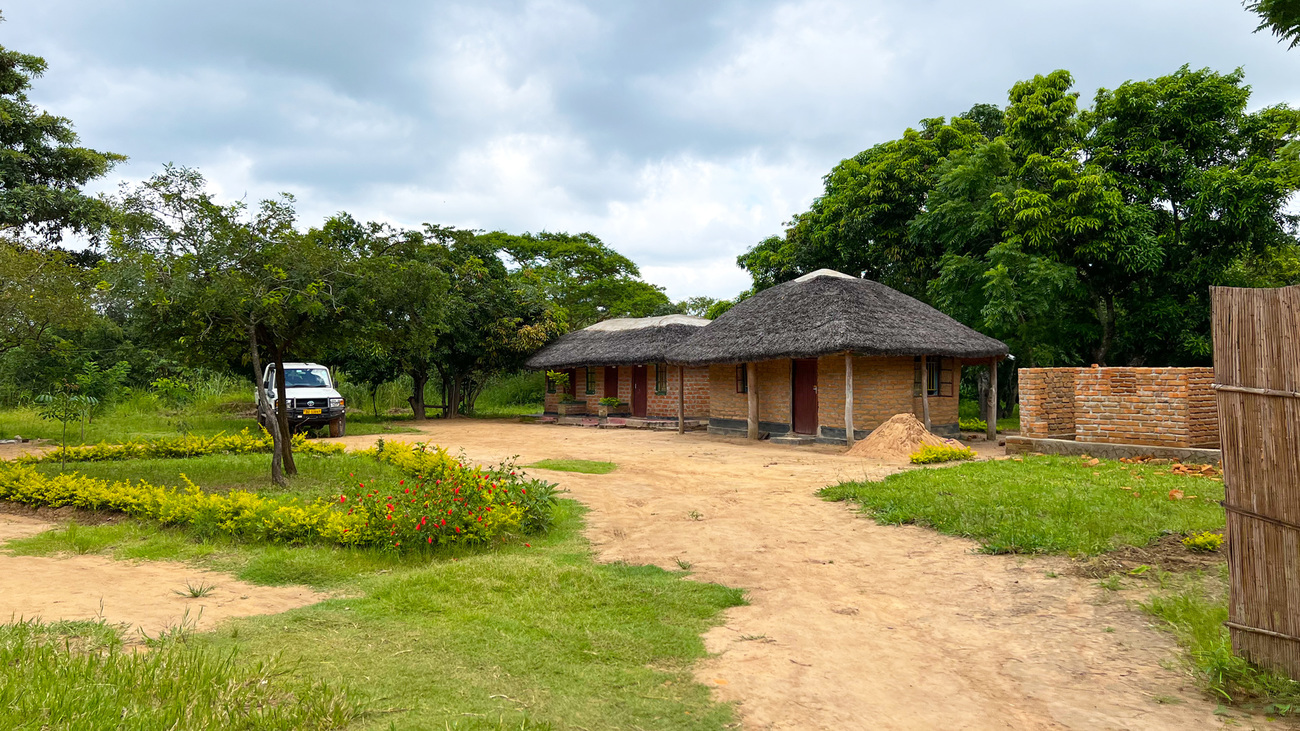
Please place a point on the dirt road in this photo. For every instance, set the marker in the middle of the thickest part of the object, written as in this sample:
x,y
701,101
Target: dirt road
x,y
852,625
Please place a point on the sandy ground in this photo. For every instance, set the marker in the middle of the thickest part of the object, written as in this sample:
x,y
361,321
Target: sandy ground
x,y
141,595
852,625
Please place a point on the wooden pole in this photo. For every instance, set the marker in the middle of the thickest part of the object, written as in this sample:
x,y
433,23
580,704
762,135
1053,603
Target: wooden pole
x,y
992,432
925,390
848,398
681,399
751,387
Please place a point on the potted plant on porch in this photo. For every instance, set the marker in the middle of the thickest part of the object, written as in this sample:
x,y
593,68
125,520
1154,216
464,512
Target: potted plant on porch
x,y
607,405
568,405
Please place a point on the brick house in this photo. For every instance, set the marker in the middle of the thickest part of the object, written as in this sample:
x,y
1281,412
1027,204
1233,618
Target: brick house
x,y
624,358
812,358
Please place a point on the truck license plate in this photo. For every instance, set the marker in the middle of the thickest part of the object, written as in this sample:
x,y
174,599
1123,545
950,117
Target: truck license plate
x,y
311,411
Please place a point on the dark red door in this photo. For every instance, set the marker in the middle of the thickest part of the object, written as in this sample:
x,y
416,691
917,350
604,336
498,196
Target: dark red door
x,y
611,381
804,403
638,390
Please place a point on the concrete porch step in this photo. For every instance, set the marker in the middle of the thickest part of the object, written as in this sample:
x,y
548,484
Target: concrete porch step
x,y
797,440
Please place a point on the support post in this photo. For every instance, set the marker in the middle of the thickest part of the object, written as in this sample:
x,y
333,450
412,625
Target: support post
x,y
925,390
848,398
681,399
992,416
751,388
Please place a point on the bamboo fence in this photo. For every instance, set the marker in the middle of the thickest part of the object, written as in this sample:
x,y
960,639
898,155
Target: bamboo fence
x,y
1257,374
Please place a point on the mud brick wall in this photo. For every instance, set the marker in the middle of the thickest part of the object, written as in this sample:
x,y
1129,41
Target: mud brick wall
x,y
665,404
773,392
882,388
1047,402
1163,407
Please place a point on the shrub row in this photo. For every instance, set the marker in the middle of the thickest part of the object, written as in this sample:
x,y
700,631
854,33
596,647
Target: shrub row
x,y
443,501
184,446
931,453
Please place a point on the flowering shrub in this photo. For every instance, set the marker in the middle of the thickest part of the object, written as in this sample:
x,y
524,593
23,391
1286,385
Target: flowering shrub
x,y
442,501
931,453
1205,542
185,446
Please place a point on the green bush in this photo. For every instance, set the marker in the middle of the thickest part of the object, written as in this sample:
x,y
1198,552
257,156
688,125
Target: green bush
x,y
185,446
445,502
972,425
1203,542
932,453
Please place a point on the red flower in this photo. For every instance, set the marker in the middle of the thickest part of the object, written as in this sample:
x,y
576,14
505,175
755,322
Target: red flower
x,y
343,498
431,539
528,545
408,490
457,529
401,482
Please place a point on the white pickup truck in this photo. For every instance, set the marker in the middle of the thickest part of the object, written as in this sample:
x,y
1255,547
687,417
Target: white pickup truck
x,y
311,395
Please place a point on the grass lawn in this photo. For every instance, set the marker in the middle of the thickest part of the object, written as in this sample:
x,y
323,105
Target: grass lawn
x,y
318,476
585,466
514,637
1043,504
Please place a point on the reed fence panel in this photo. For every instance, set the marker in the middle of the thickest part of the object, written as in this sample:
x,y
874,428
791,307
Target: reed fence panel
x,y
1257,374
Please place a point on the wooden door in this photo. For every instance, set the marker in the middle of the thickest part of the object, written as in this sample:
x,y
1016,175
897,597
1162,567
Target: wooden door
x,y
804,403
638,390
611,381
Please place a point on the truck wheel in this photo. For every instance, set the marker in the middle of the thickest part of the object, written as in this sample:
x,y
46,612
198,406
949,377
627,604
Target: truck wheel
x,y
339,427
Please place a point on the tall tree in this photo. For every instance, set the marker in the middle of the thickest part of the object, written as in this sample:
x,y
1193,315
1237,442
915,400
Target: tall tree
x,y
1282,17
42,168
220,279
40,291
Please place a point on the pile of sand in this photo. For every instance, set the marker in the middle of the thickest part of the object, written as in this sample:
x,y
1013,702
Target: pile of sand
x,y
897,439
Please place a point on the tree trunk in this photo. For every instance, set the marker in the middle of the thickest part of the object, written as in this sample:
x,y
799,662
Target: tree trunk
x,y
374,400
1106,314
282,415
277,476
452,406
420,377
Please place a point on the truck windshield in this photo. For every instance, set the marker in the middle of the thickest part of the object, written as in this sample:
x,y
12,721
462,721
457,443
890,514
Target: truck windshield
x,y
305,378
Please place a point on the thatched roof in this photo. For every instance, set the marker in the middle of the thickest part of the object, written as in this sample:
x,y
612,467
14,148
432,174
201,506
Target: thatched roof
x,y
622,341
827,312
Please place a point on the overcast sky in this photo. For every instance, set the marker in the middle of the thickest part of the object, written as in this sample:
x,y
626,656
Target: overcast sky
x,y
680,132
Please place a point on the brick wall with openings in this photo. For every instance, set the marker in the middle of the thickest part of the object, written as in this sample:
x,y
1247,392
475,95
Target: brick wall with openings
x,y
882,388
664,405
1163,407
773,392
578,380
1047,402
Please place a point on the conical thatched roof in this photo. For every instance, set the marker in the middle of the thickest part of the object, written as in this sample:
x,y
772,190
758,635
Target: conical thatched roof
x,y
827,312
623,341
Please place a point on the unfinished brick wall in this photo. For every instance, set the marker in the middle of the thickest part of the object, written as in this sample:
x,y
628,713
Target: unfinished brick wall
x,y
1047,402
1163,407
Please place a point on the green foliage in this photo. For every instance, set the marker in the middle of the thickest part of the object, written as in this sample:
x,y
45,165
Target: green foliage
x,y
172,391
183,447
41,291
1205,542
972,424
480,504
1194,609
44,168
75,675
559,381
1074,235
934,453
1282,17
519,393
584,466
64,404
1042,504
610,401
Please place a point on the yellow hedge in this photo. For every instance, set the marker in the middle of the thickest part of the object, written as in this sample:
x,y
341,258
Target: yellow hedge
x,y
931,453
185,446
442,501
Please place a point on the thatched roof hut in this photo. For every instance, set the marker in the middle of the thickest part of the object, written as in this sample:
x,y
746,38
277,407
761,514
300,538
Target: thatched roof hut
x,y
620,342
827,312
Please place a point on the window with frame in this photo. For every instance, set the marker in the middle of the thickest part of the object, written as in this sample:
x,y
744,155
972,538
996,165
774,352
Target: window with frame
x,y
938,374
661,378
591,381
742,379
550,384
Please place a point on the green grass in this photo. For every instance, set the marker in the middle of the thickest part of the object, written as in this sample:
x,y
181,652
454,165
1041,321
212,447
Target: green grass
x,y
584,466
516,636
76,675
968,409
1194,608
512,395
317,476
1043,504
